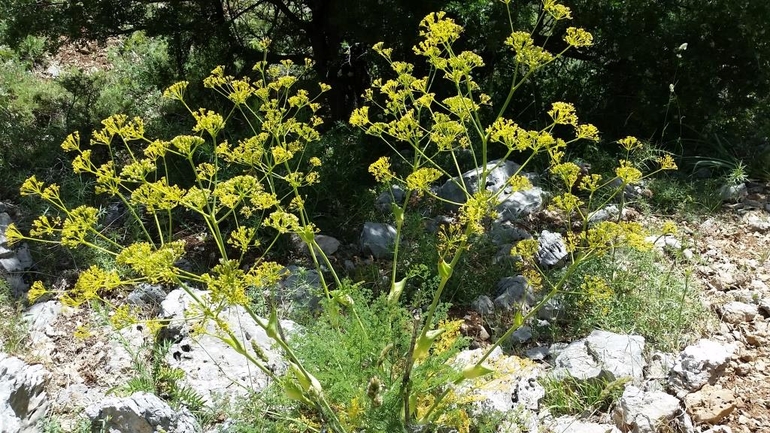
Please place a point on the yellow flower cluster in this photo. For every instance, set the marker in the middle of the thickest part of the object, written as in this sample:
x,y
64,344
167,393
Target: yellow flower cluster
x,y
91,283
156,265
627,173
78,224
526,52
420,179
479,206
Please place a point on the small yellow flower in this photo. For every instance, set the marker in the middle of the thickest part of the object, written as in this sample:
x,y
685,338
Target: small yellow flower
x,y
667,162
669,228
587,131
420,179
557,11
568,172
283,222
563,113
526,248
578,37
72,142
12,234
209,121
36,291
381,171
360,116
82,332
630,143
628,173
314,161
519,183
176,91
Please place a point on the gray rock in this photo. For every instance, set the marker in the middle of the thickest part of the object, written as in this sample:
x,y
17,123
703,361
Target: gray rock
x,y
40,319
139,413
19,261
603,354
757,222
521,335
212,367
630,192
395,195
699,364
483,305
5,221
733,193
737,312
665,241
513,292
644,412
552,250
23,398
537,353
528,392
300,290
326,244
146,295
512,205
378,240
569,424
604,214
512,388
551,311
506,233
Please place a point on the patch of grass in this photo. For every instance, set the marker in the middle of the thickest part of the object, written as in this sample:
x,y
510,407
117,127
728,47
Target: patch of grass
x,y
646,295
13,329
52,424
684,196
570,396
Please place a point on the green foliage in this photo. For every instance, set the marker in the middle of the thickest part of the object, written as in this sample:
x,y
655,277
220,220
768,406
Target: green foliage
x,y
13,330
641,293
570,396
684,196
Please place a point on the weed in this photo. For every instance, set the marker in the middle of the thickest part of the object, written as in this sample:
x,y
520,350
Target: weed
x,y
13,329
570,396
643,293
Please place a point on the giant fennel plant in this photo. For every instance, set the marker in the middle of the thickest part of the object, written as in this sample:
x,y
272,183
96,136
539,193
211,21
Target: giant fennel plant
x,y
250,193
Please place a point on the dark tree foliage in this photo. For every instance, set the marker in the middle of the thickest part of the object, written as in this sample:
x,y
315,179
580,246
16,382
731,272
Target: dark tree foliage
x,y
623,84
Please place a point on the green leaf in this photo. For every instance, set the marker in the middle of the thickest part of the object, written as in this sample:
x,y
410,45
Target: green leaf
x,y
474,371
396,290
272,325
423,343
398,212
444,270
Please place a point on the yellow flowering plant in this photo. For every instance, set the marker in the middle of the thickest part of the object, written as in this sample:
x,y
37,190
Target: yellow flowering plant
x,y
405,110
247,194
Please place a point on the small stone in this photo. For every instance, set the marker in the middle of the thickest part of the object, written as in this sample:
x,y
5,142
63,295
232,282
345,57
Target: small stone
x,y
643,412
710,405
483,305
699,364
737,312
378,240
